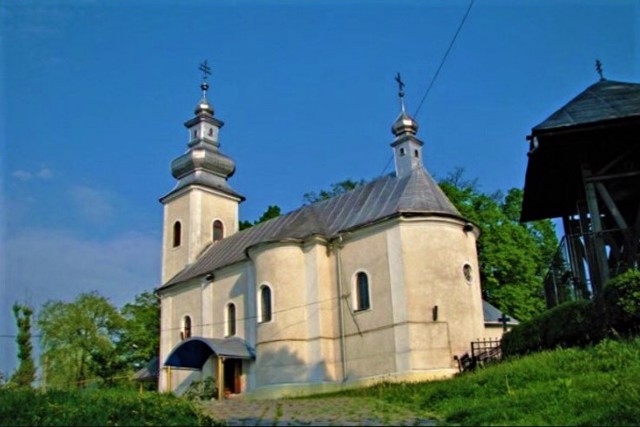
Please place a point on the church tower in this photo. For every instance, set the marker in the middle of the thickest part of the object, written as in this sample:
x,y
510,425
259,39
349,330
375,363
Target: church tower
x,y
202,208
407,148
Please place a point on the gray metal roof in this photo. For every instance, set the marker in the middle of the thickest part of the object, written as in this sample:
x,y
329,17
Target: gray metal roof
x,y
604,100
383,198
492,314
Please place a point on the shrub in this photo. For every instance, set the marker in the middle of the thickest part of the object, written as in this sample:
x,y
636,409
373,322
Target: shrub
x,y
202,390
621,298
97,407
574,323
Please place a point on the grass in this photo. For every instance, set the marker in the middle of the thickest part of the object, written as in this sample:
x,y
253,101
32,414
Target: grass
x,y
598,385
97,408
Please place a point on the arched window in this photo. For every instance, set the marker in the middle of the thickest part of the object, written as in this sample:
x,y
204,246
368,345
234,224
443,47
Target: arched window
x,y
218,230
231,319
362,291
177,234
265,304
416,153
402,152
186,327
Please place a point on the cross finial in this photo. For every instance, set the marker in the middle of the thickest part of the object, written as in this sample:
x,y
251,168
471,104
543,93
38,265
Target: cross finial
x,y
400,90
599,69
206,70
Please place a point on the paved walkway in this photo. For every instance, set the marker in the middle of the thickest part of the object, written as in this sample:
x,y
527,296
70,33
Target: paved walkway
x,y
335,411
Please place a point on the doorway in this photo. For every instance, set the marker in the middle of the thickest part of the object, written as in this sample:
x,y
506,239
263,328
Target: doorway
x,y
232,374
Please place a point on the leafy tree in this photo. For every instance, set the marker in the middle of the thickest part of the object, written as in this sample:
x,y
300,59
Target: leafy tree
x,y
26,372
79,339
513,257
273,211
336,189
140,341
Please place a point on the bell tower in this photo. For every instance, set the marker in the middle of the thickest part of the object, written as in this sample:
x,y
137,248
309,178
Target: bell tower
x,y
407,149
202,208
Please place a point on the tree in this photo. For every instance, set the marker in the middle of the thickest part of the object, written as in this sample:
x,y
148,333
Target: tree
x,y
513,257
26,372
337,189
273,211
79,339
140,340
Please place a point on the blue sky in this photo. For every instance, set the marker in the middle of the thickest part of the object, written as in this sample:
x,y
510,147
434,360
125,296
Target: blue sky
x,y
94,96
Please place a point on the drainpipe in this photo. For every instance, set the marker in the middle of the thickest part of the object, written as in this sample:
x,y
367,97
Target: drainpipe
x,y
343,361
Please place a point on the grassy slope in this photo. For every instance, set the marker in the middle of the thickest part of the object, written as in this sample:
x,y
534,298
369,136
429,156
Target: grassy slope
x,y
595,386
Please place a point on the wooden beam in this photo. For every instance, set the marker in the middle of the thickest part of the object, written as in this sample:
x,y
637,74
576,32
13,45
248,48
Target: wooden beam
x,y
220,378
596,229
616,160
611,205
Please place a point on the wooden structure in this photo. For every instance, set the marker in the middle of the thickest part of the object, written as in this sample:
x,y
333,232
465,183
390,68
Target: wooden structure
x,y
584,167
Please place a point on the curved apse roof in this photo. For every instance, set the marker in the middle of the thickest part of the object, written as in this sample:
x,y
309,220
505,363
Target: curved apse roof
x,y
383,198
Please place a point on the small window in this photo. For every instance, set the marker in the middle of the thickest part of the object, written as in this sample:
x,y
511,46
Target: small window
x,y
416,153
231,320
468,273
265,304
177,234
210,132
186,327
195,133
362,292
402,152
218,230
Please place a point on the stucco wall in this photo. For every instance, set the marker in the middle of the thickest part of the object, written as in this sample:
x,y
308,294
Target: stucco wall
x,y
196,209
434,252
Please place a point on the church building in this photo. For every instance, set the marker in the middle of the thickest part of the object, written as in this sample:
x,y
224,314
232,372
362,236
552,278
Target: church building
x,y
380,283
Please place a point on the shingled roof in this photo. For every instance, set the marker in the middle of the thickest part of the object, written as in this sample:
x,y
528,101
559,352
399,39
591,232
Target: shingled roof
x,y
380,199
604,100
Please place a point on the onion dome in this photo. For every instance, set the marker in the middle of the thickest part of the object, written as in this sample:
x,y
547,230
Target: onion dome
x,y
404,124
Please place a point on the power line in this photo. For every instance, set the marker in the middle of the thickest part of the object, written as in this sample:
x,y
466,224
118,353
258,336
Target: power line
x,y
444,58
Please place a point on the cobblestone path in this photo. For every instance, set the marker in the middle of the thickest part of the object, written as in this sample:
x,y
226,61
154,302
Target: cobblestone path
x,y
338,411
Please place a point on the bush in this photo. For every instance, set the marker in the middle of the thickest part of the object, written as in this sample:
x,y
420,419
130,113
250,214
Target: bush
x,y
574,323
202,390
97,407
622,303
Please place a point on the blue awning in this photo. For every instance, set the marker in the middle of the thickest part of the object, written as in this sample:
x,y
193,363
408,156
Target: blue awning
x,y
194,352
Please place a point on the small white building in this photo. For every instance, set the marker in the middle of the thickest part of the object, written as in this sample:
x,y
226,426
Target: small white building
x,y
380,283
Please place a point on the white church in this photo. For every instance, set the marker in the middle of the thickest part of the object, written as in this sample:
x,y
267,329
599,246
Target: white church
x,y
377,284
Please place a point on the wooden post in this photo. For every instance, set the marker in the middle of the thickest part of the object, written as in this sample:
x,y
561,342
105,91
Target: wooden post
x,y
596,229
169,378
220,378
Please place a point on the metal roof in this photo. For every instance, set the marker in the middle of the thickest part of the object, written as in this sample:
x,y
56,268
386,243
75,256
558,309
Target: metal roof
x,y
604,100
492,314
383,198
193,352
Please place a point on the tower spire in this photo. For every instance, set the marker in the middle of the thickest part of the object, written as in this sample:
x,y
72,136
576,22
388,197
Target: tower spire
x,y
407,147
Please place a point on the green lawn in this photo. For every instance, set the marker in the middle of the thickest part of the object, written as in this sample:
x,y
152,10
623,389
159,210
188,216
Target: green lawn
x,y
594,386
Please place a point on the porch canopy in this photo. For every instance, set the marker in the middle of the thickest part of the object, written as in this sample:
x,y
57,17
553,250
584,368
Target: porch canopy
x,y
194,352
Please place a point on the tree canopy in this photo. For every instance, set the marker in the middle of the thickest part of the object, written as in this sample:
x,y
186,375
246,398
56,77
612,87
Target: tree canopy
x,y
140,340
89,340
273,211
26,372
335,190
79,340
